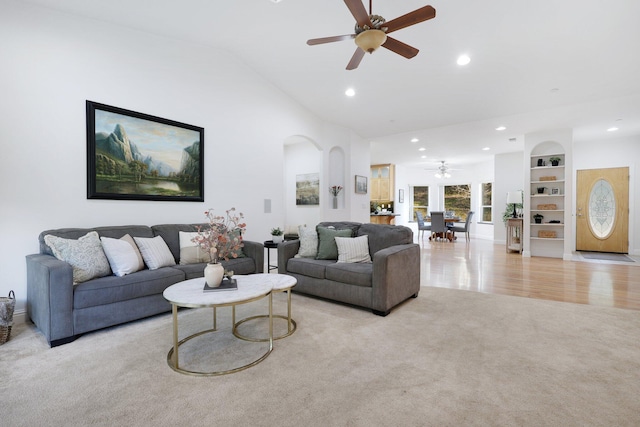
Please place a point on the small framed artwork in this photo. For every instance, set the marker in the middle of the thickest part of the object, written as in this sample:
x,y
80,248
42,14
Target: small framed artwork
x,y
135,156
401,196
555,190
361,184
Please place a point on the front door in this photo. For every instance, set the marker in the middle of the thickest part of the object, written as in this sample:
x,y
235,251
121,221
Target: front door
x,y
602,210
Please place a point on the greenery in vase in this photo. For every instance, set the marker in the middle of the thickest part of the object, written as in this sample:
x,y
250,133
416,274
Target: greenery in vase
x,y
223,236
276,231
335,190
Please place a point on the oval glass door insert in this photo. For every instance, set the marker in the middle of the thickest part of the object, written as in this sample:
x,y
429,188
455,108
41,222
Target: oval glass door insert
x,y
602,209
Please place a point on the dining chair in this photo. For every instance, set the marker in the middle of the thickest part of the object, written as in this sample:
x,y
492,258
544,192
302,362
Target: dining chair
x,y
422,227
438,226
465,228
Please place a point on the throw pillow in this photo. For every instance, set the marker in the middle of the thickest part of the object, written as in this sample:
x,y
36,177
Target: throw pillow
x,y
227,251
190,252
355,249
85,255
155,252
327,248
129,240
308,242
121,255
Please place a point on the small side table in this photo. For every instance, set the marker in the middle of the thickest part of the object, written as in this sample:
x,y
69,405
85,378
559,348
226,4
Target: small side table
x,y
514,235
268,245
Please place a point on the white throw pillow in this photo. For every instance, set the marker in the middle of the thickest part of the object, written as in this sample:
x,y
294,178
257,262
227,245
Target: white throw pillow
x,y
155,252
353,249
121,255
85,255
190,252
129,239
308,242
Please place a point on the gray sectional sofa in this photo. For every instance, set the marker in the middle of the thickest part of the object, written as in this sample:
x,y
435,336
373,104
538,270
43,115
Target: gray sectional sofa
x,y
62,311
392,277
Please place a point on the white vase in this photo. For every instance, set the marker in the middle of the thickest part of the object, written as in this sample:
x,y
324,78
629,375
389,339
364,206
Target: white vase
x,y
335,202
277,239
213,274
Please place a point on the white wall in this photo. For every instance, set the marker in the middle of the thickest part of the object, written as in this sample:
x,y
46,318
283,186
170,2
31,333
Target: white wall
x,y
53,62
509,176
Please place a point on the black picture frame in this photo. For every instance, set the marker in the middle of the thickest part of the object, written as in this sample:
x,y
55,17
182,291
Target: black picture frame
x,y
136,156
361,184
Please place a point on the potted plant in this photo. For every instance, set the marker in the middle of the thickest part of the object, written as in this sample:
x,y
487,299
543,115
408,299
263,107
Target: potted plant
x,y
538,218
277,235
554,161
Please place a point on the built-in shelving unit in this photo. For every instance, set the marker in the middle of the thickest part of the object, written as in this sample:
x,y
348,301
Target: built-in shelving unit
x,y
547,198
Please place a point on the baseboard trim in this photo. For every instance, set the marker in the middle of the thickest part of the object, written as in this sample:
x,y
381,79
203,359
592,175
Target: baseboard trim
x,y
19,317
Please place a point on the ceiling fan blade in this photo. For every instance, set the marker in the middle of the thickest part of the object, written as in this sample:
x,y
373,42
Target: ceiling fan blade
x,y
322,40
355,59
400,48
411,18
359,12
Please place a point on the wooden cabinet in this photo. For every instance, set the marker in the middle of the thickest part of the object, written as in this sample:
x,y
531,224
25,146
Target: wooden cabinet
x,y
514,235
382,183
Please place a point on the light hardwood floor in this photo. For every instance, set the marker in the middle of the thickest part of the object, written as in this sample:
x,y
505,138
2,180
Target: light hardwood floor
x,y
484,266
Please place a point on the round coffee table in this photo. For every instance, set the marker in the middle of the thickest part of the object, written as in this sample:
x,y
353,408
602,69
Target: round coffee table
x,y
279,283
190,293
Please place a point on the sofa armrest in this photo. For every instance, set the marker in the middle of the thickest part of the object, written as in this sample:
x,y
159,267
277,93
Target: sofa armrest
x,y
286,250
255,250
50,296
396,276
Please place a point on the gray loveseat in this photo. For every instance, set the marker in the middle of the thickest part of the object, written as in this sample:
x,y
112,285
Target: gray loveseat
x,y
62,311
392,277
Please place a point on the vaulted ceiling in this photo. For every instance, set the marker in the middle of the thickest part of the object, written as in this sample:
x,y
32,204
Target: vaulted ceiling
x,y
534,66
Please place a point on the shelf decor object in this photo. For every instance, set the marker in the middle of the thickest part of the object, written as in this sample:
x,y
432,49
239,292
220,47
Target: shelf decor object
x,y
514,197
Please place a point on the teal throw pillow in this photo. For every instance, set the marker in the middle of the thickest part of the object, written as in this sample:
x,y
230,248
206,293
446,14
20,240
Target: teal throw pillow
x,y
327,248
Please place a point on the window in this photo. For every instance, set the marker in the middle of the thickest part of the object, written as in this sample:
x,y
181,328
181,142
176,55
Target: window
x,y
487,201
419,201
457,199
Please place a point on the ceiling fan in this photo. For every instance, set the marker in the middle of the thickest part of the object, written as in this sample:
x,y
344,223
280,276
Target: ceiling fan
x,y
442,171
371,31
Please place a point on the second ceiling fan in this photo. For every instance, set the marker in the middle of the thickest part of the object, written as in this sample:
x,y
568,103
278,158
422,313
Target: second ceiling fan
x,y
371,31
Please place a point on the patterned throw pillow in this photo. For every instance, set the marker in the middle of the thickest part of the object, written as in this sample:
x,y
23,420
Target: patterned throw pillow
x,y
308,242
355,249
85,255
155,252
327,248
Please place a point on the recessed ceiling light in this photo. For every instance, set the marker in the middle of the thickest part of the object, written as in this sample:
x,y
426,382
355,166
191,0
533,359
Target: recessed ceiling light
x,y
414,140
613,129
463,60
501,128
276,1
350,92
421,149
486,149
423,157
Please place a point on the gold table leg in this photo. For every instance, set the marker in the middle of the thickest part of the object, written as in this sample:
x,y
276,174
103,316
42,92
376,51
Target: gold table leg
x,y
291,324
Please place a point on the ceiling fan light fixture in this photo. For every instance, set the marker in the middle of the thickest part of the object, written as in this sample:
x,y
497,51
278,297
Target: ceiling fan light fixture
x,y
370,40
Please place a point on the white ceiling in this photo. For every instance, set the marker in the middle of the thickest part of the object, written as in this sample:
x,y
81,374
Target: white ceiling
x,y
534,66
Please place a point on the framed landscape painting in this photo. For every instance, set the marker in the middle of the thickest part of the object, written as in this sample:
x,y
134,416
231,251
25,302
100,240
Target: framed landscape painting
x,y
308,189
135,156
361,184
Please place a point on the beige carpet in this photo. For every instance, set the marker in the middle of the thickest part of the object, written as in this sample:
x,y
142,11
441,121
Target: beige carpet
x,y
447,358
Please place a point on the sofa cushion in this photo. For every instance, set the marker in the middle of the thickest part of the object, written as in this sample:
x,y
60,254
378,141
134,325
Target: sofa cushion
x,y
308,267
243,265
327,248
358,274
353,249
383,236
171,236
85,255
111,289
122,256
115,232
155,252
